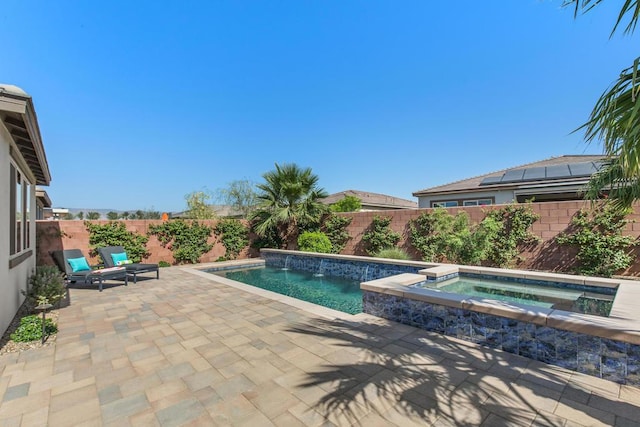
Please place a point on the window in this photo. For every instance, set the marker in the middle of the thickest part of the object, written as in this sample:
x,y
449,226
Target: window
x,y
19,211
481,202
444,204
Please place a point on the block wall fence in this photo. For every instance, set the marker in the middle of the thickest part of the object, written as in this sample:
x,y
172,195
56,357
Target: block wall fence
x,y
555,217
55,235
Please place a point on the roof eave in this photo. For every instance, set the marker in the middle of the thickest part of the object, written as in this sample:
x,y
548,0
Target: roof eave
x,y
22,105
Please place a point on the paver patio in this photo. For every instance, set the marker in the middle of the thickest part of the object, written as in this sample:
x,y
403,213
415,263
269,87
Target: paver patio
x,y
187,350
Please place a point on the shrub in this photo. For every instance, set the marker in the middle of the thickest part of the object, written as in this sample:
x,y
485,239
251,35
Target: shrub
x,y
602,249
233,235
393,253
115,233
496,240
380,236
314,242
438,235
164,264
187,240
335,228
30,329
45,286
512,234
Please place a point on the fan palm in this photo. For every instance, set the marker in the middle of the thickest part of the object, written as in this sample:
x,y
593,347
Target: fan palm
x,y
289,200
615,120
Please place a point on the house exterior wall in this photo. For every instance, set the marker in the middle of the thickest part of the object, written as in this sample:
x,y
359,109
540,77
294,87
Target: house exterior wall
x,y
14,279
500,197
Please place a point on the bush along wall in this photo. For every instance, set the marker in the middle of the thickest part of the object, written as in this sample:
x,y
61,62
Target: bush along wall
x,y
188,240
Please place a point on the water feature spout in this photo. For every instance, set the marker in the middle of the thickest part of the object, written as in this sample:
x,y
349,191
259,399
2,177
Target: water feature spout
x,y
320,270
286,263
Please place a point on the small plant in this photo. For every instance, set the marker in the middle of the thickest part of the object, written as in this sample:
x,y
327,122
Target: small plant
x,y
393,253
30,329
380,236
314,242
115,233
602,249
233,235
335,227
45,286
164,264
187,240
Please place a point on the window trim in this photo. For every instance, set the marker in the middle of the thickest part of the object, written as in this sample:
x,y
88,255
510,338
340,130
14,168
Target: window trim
x,y
460,202
19,218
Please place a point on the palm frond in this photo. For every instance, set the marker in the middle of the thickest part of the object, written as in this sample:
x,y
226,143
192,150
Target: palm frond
x,y
630,10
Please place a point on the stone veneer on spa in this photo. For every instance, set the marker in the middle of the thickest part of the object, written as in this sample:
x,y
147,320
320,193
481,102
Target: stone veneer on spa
x,y
581,343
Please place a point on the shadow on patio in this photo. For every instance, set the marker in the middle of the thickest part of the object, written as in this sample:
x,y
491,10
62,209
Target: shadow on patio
x,y
402,374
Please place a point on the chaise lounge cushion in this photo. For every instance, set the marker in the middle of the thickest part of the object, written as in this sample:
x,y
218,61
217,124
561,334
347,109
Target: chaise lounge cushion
x,y
78,264
107,254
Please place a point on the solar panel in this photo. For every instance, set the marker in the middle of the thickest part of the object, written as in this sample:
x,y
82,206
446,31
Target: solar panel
x,y
534,174
582,169
491,180
514,175
558,171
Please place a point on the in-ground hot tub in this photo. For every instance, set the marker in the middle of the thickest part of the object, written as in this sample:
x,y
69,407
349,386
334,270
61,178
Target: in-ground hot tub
x,y
403,291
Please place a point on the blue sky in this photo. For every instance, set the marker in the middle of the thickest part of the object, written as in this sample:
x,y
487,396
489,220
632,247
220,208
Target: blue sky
x,y
140,103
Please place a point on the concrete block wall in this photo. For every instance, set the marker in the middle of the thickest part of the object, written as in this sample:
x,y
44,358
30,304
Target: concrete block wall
x,y
555,217
55,235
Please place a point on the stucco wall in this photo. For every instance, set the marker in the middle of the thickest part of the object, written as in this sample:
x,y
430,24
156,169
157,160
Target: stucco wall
x,y
13,280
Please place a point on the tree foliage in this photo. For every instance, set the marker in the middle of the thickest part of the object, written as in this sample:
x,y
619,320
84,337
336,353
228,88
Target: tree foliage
x,y
93,215
615,120
241,195
347,204
289,202
198,206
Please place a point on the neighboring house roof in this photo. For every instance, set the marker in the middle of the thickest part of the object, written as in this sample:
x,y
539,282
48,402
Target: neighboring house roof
x,y
222,211
19,117
566,169
372,200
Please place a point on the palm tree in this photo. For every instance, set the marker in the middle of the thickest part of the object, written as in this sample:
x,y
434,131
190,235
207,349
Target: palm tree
x,y
288,202
615,120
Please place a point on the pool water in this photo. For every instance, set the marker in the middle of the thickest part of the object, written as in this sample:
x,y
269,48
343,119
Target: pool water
x,y
586,300
333,292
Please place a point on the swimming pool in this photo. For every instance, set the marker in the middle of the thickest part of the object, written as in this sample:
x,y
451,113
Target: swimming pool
x,y
562,296
333,292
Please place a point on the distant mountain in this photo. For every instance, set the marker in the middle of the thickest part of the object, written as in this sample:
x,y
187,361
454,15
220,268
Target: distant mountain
x,y
102,212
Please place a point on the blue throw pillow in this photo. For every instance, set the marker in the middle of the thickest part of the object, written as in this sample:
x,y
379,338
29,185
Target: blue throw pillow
x,y
119,258
78,264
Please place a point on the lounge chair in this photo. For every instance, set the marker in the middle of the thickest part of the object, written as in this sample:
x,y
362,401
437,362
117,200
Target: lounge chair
x,y
113,256
77,270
